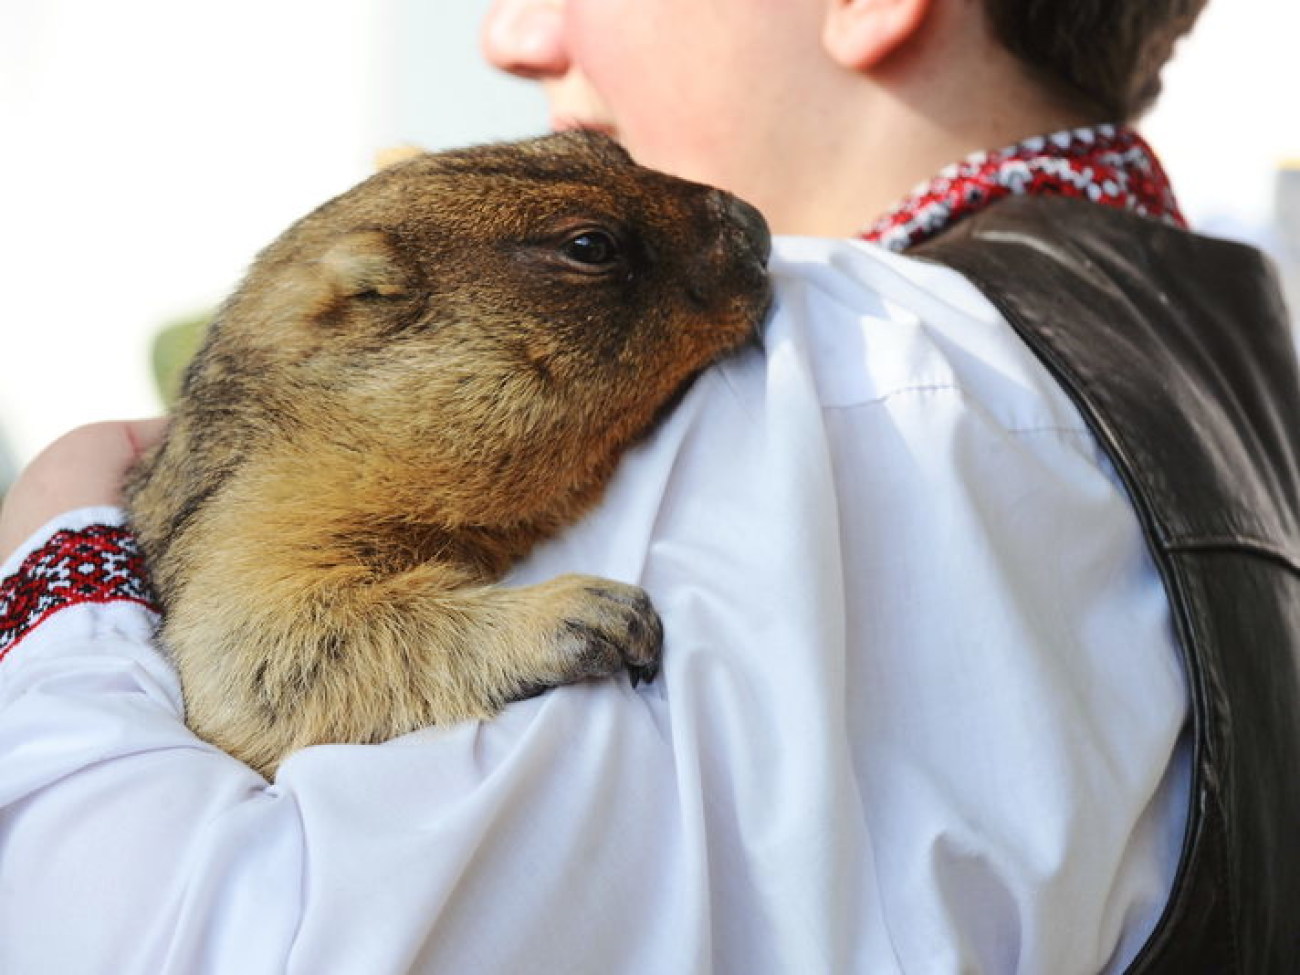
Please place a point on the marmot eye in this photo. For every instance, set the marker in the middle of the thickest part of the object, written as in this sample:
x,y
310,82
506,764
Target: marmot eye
x,y
594,248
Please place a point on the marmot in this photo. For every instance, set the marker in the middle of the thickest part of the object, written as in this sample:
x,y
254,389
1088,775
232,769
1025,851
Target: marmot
x,y
411,387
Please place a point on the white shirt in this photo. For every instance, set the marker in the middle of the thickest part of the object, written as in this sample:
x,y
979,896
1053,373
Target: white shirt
x,y
921,711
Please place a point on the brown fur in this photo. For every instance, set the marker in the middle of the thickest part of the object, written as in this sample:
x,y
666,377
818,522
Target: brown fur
x,y
412,386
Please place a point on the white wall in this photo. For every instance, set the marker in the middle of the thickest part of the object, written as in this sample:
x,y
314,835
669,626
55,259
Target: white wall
x,y
151,146
1231,111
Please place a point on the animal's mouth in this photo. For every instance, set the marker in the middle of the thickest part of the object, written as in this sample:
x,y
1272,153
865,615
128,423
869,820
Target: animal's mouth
x,y
749,240
752,224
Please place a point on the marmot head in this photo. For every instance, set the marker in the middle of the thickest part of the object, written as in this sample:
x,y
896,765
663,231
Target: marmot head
x,y
479,316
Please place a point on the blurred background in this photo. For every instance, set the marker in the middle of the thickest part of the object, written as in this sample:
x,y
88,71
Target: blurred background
x,y
151,147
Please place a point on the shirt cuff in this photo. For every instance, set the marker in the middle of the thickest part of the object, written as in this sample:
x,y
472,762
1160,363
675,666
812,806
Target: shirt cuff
x,y
83,556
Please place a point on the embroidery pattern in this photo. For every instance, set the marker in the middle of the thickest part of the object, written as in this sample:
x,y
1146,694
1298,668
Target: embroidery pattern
x,y
1107,164
97,564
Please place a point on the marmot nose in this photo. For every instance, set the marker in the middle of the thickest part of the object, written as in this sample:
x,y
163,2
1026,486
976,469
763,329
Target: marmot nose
x,y
751,223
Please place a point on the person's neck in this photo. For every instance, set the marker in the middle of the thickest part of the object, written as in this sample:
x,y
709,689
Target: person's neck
x,y
933,143
935,104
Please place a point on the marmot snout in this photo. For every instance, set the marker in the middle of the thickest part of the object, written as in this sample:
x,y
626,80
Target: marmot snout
x,y
412,386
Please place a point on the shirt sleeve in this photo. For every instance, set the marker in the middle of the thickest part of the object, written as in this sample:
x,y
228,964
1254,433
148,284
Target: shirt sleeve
x,y
920,710
129,845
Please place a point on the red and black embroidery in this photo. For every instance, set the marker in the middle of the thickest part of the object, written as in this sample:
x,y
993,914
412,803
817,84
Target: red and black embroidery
x,y
96,564
1107,164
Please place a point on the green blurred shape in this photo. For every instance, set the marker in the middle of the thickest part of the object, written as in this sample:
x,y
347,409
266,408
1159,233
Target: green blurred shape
x,y
173,348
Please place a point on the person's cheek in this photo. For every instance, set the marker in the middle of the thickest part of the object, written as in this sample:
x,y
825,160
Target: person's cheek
x,y
609,43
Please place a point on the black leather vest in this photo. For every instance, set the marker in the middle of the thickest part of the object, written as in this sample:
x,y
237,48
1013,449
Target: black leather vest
x,y
1175,348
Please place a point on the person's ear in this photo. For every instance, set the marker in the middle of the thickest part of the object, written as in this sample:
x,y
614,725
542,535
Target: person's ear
x,y
861,34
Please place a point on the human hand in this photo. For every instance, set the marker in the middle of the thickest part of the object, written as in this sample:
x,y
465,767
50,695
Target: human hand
x,y
83,468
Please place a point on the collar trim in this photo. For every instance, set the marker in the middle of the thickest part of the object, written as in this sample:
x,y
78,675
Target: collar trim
x,y
1107,164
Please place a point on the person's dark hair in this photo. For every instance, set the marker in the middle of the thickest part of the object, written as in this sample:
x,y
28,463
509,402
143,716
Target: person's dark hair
x,y
1106,52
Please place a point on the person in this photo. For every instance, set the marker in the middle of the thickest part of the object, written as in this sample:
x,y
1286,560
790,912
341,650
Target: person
x,y
978,576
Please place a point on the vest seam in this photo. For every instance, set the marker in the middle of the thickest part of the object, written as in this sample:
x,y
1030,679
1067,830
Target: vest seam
x,y
1242,544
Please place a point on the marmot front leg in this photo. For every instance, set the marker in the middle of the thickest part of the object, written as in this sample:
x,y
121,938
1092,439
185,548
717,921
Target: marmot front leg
x,y
363,663
530,638
576,626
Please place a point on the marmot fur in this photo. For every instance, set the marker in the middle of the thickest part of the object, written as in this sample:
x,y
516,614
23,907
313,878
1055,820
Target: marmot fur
x,y
411,387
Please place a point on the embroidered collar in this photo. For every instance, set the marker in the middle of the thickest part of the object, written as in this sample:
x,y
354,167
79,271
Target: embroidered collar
x,y
1107,164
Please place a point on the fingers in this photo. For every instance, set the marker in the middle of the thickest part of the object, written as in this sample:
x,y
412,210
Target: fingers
x,y
144,435
82,468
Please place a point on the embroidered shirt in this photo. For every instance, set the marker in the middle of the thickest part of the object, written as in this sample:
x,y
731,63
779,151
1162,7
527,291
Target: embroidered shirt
x,y
884,714
885,710
98,563
1107,164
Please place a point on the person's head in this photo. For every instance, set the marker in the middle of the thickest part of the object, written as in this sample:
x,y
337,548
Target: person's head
x,y
823,112
719,91
1107,54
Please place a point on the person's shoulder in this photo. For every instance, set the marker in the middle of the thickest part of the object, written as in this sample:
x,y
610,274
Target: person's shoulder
x,y
872,325
861,272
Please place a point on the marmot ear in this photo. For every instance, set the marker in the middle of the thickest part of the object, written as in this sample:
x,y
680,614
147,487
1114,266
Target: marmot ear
x,y
364,263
